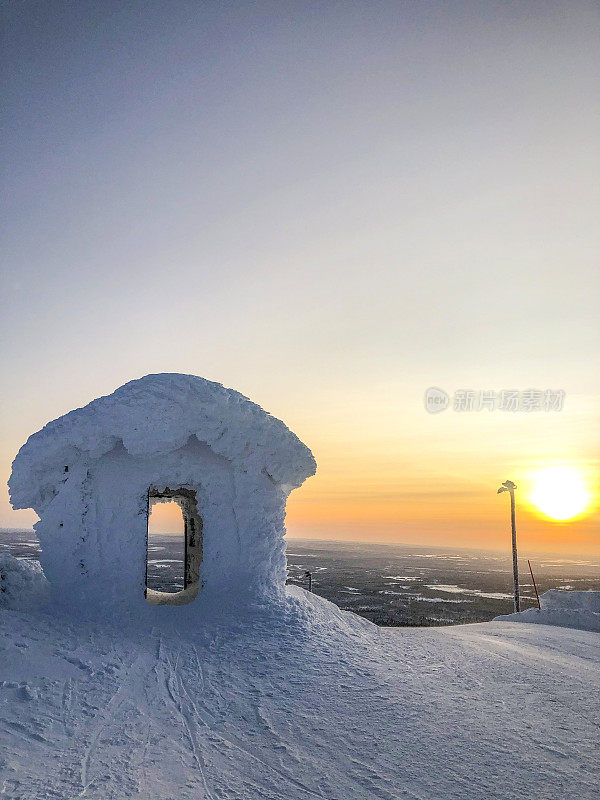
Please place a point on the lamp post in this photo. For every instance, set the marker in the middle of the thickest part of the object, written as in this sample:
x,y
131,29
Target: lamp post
x,y
509,486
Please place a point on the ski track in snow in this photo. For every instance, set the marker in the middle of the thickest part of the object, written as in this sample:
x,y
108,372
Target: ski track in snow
x,y
274,708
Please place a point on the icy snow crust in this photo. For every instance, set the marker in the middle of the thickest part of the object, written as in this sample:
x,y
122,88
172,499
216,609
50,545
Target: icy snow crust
x,y
293,701
87,475
568,609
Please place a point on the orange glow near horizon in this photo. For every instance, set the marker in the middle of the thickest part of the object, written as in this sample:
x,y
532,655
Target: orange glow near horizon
x,y
428,512
390,472
432,513
468,519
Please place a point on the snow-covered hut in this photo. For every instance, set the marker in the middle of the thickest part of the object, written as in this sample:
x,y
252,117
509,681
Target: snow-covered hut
x,y
93,475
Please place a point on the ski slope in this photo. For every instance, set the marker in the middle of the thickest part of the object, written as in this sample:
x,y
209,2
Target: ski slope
x,y
304,701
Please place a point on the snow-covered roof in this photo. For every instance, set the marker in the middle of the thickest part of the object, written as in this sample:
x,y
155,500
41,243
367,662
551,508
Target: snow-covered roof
x,y
156,415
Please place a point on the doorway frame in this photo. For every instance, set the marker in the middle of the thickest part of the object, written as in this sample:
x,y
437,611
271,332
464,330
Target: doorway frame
x,y
193,545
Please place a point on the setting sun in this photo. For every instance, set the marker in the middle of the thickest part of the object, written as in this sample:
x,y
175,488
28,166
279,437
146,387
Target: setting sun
x,y
560,492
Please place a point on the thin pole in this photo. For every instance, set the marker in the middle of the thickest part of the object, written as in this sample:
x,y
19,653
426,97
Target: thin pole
x,y
534,586
186,554
513,526
147,523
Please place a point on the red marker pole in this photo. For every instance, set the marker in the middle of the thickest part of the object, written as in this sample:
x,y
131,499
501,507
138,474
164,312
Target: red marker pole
x,y
534,586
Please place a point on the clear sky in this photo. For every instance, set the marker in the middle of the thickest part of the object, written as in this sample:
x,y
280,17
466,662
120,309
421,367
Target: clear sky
x,y
329,206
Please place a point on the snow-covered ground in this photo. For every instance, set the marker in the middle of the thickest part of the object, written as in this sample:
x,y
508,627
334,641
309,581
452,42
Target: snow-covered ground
x,y
569,609
301,702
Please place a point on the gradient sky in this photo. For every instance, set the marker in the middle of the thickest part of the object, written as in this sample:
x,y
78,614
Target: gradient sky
x,y
329,206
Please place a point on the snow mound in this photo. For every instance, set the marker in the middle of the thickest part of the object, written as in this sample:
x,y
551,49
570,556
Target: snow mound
x,y
567,609
317,612
23,584
152,416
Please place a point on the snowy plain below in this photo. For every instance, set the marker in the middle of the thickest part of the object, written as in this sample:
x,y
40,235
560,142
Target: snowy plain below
x,y
301,700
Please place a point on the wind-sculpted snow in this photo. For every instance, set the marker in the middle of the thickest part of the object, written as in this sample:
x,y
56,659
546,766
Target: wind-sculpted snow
x,y
568,609
91,473
22,583
153,416
293,702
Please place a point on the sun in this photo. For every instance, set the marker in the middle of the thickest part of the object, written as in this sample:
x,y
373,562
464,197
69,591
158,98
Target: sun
x,y
560,493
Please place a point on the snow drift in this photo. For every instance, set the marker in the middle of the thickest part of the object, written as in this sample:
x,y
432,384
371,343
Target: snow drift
x,y
22,583
568,609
